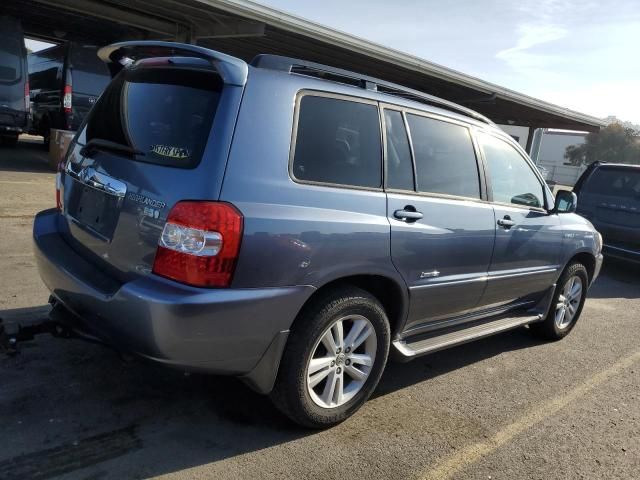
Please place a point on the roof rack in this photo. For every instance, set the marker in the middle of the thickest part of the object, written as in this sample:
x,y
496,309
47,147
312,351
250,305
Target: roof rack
x,y
338,75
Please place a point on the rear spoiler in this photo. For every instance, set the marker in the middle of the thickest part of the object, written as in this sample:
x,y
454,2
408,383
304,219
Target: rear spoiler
x,y
118,55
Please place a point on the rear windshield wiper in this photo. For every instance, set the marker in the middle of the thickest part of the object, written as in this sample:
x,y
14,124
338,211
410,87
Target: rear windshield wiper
x,y
102,144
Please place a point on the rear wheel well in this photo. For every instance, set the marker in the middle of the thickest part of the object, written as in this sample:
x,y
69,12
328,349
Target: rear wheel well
x,y
384,289
586,259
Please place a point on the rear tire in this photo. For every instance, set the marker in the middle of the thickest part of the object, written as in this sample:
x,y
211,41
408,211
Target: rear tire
x,y
321,383
567,303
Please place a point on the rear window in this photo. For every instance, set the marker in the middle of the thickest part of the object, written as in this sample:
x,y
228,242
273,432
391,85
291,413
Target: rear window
x,y
165,113
90,75
614,182
338,142
10,59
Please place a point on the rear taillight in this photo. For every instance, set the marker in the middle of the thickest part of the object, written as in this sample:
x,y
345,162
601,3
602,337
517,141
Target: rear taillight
x,y
27,100
200,243
66,99
59,186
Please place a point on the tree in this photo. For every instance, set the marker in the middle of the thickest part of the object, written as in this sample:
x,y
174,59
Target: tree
x,y
614,143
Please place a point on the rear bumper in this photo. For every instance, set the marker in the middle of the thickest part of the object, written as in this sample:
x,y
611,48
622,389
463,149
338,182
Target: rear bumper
x,y
225,331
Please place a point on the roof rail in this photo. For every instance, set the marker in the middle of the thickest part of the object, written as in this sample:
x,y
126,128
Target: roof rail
x,y
317,70
118,55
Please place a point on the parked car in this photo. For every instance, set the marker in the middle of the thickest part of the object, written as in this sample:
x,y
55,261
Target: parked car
x,y
610,198
14,82
66,80
291,224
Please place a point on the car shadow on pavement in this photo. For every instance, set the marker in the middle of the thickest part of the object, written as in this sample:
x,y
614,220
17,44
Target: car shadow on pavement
x,y
399,375
623,280
69,407
28,156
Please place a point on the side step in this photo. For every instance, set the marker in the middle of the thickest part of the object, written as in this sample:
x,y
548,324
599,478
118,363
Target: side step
x,y
408,348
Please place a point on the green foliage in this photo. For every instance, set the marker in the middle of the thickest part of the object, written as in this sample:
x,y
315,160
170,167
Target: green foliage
x,y
615,143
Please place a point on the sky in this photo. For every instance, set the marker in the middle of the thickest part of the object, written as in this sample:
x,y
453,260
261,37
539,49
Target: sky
x,y
579,54
583,55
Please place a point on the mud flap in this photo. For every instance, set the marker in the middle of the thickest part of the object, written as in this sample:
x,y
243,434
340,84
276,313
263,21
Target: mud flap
x,y
263,376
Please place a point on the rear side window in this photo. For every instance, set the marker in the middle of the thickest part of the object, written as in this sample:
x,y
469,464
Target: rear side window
x,y
615,182
445,159
90,75
512,179
338,142
165,113
11,50
399,164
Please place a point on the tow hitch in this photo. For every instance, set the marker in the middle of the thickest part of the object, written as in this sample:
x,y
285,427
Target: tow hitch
x,y
23,324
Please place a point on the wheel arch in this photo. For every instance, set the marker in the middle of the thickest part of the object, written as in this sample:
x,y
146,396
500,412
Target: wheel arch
x,y
390,292
588,260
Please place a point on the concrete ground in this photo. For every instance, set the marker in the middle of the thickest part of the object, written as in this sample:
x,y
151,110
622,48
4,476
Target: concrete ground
x,y
508,407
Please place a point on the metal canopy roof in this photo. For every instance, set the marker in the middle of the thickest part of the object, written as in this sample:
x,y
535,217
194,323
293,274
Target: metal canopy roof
x,y
246,29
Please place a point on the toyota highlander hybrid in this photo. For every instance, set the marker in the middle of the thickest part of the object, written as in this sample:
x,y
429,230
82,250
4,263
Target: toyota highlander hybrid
x,y
294,225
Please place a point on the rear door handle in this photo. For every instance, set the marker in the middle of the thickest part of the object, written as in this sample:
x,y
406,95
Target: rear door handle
x,y
506,222
408,214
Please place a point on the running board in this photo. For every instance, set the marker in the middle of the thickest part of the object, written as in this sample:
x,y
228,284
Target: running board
x,y
407,348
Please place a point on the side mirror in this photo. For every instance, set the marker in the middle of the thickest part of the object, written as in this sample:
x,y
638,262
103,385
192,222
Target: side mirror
x,y
566,202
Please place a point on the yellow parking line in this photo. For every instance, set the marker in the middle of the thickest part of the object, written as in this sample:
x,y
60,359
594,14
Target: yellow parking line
x,y
461,459
25,182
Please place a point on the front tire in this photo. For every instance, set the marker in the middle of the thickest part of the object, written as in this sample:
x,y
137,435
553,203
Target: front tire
x,y
567,303
334,359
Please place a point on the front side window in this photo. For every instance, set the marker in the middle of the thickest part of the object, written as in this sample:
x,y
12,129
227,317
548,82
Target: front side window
x,y
338,142
512,179
445,159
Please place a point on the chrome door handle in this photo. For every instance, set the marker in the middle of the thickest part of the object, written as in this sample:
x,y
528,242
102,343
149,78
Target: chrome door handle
x,y
506,222
407,215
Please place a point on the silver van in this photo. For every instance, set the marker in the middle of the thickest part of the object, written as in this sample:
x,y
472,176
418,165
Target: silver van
x,y
14,82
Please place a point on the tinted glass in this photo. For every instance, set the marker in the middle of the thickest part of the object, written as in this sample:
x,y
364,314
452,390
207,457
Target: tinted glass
x,y
164,113
45,76
89,74
399,166
512,179
445,158
338,141
10,59
614,182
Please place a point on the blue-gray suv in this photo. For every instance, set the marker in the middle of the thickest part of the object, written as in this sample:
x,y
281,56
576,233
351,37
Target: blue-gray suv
x,y
293,224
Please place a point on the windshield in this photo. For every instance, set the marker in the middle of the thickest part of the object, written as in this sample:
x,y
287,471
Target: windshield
x,y
164,113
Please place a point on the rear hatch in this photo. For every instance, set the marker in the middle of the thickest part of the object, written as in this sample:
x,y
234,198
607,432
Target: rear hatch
x,y
610,198
160,133
13,75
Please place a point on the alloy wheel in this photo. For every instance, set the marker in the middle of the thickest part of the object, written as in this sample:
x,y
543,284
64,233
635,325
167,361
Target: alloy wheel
x,y
341,361
568,302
